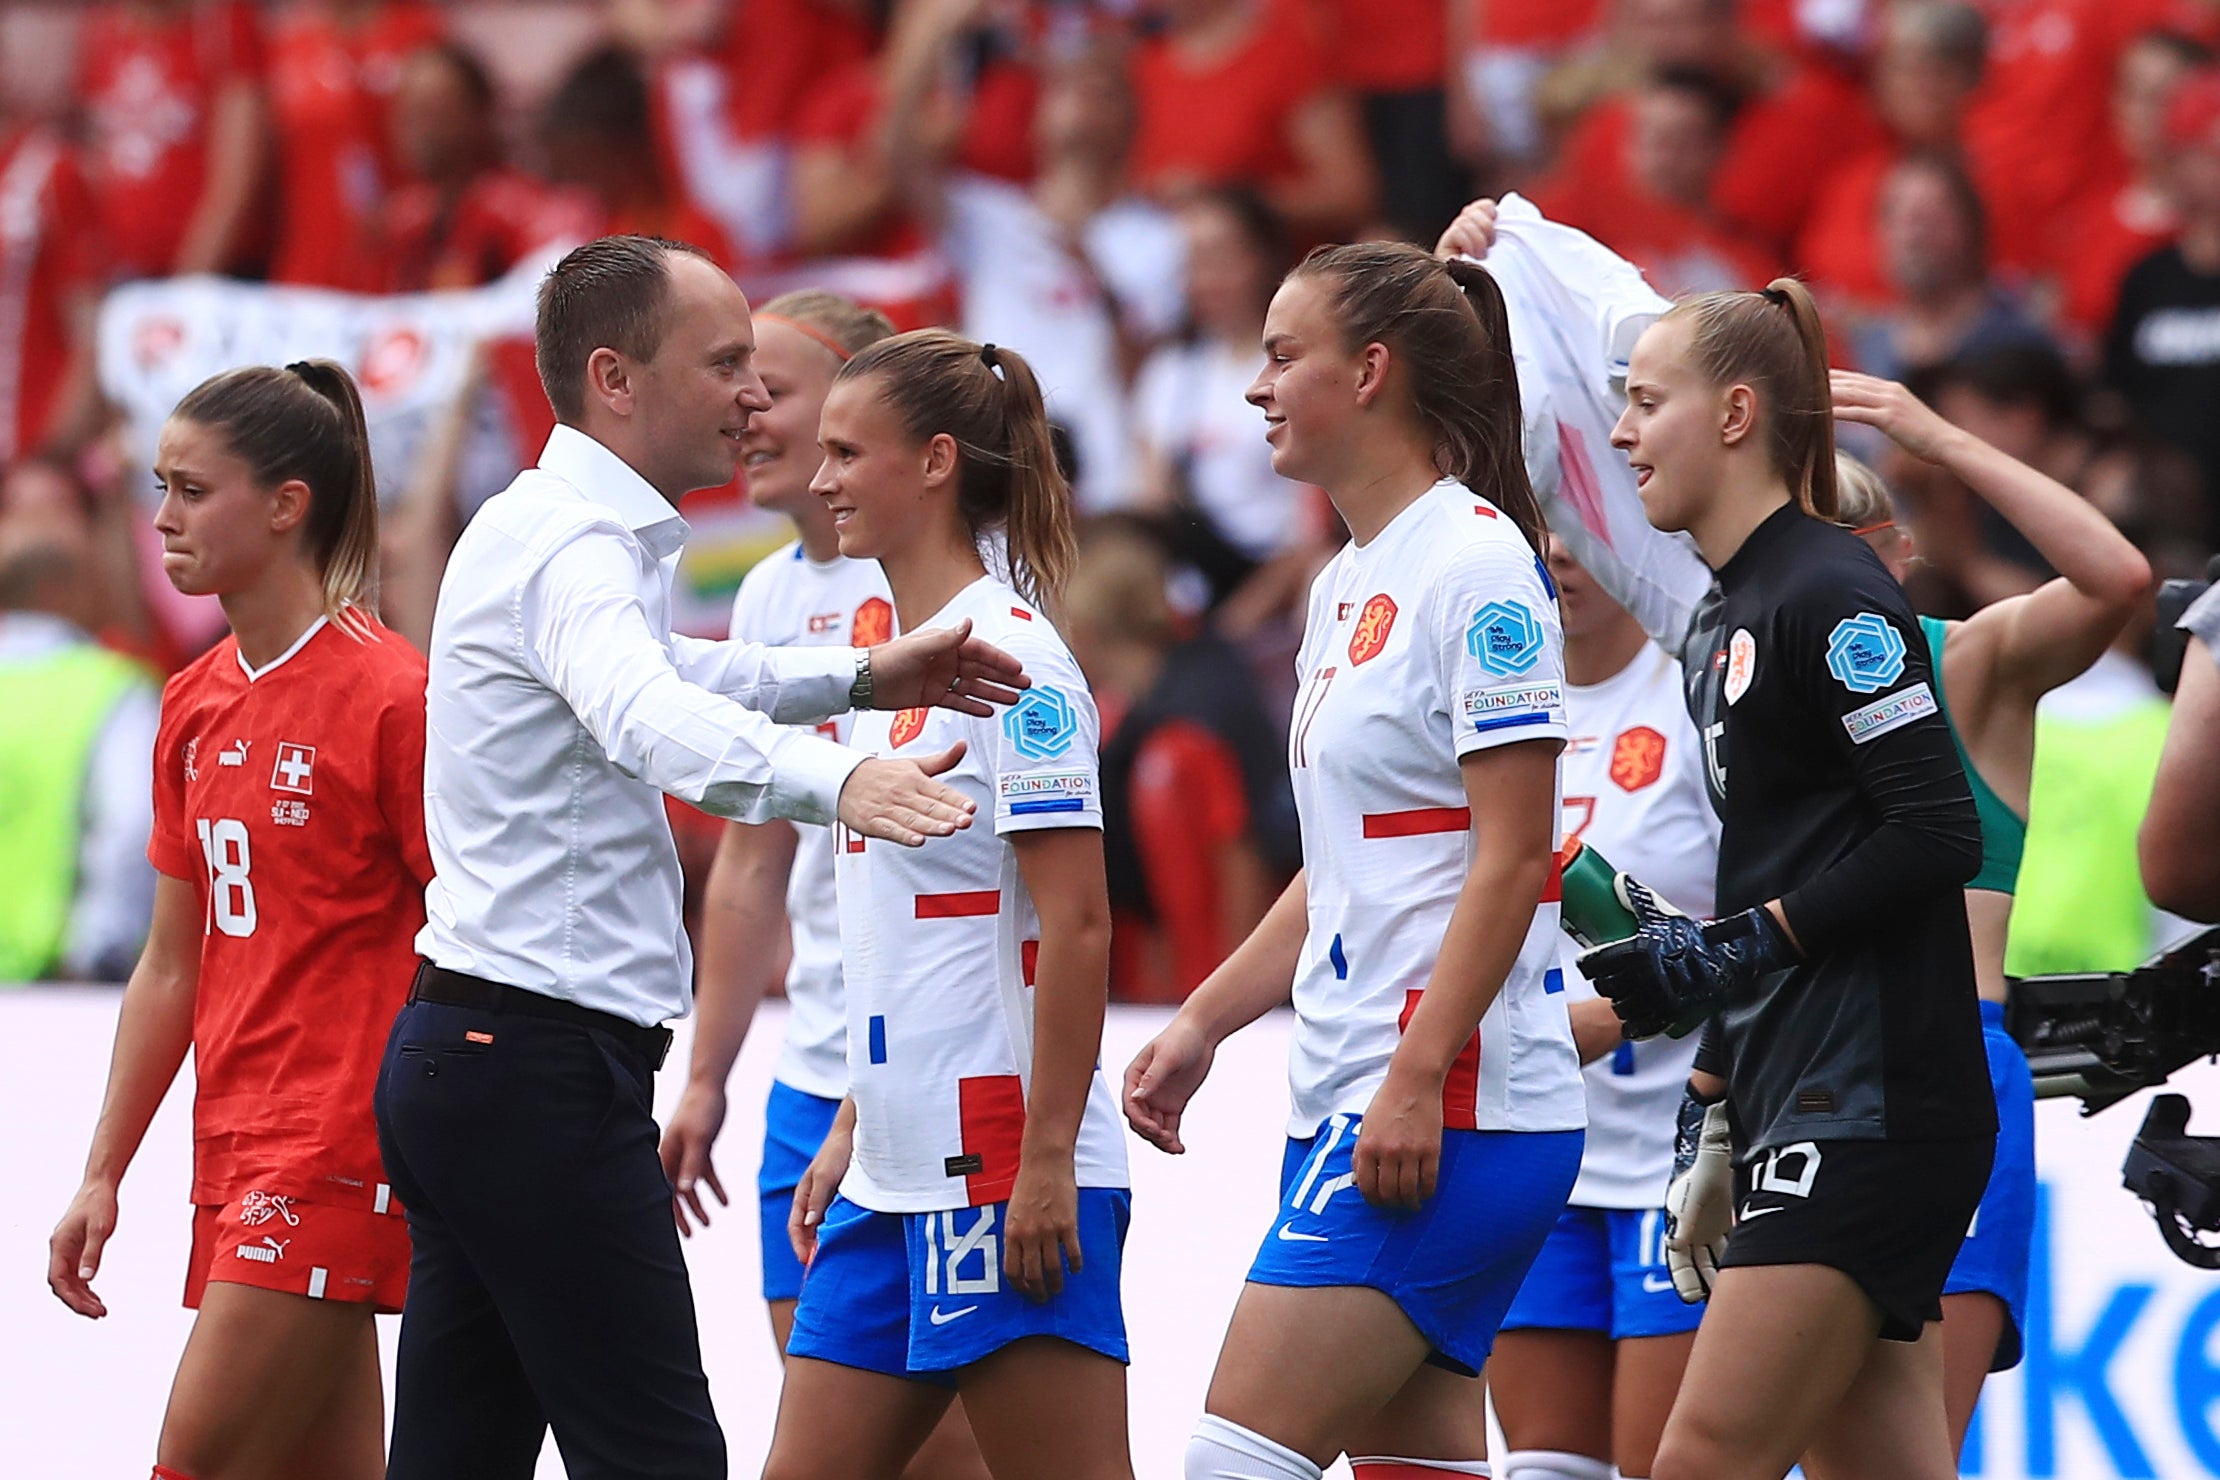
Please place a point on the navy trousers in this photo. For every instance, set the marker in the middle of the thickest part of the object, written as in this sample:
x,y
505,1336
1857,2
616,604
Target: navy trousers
x,y
546,1285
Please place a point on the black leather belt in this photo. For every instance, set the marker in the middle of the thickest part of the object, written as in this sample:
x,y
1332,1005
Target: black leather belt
x,y
452,988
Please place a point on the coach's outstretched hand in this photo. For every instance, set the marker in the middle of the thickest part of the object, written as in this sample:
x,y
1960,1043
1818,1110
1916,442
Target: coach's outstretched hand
x,y
901,802
946,668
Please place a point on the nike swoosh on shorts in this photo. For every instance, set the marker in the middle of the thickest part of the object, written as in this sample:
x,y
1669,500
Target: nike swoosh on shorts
x,y
942,1318
1291,1236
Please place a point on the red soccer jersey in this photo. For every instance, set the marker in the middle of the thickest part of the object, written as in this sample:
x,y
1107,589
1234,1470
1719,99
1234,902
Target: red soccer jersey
x,y
328,93
2042,117
294,801
1226,119
1782,146
148,85
431,242
1388,46
1840,246
47,256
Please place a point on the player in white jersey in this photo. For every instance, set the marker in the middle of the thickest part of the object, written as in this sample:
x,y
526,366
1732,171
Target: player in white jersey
x,y
975,1239
775,880
1437,1114
1593,1347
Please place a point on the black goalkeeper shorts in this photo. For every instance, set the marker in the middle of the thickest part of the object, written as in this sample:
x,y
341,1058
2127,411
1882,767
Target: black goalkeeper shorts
x,y
1889,1214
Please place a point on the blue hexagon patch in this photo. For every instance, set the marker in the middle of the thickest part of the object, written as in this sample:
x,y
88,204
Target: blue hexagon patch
x,y
1041,724
1505,637
1865,653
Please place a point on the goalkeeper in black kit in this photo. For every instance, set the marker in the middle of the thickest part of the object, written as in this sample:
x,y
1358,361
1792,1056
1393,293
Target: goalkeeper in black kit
x,y
1842,1060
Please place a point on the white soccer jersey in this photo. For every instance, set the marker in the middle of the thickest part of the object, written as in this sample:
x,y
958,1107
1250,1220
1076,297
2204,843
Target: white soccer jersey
x,y
789,600
938,943
1437,639
1634,791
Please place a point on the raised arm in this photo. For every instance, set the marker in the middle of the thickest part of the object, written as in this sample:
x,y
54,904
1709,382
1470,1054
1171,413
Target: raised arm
x,y
238,149
2181,864
2030,644
920,119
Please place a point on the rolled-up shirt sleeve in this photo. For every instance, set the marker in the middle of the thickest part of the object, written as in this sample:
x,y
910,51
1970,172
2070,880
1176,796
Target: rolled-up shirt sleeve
x,y
793,685
587,637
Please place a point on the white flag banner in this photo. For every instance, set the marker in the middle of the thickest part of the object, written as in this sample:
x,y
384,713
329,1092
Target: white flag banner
x,y
409,353
1576,308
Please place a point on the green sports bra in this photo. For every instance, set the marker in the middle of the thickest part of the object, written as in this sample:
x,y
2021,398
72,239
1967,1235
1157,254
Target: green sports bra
x,y
2003,831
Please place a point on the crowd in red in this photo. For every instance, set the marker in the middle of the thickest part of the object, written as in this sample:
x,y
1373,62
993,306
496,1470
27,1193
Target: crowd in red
x,y
2014,203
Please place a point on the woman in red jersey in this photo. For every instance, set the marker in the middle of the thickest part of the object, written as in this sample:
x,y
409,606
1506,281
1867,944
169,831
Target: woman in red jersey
x,y
289,834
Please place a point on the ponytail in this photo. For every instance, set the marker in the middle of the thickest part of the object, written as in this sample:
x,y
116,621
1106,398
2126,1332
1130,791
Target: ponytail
x,y
1044,542
1448,325
988,401
1773,341
305,423
1498,464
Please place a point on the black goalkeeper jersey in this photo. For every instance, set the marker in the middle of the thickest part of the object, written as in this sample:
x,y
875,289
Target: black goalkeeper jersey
x,y
1840,794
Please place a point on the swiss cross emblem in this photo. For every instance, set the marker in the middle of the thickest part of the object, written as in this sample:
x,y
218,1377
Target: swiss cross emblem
x,y
295,769
873,625
1638,758
1374,624
908,725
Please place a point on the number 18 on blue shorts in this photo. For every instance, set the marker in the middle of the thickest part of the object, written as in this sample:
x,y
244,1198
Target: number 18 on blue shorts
x,y
920,1295
1454,1265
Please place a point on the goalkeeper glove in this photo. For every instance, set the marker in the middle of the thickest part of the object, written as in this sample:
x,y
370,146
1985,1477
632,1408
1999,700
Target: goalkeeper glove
x,y
1674,972
1699,1202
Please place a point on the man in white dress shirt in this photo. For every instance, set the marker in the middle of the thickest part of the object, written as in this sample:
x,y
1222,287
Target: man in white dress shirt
x,y
514,1107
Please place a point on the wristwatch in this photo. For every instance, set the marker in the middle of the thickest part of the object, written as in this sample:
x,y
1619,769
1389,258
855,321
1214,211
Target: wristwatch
x,y
859,692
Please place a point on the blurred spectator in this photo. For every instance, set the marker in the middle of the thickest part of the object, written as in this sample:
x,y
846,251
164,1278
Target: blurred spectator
x,y
2126,213
462,218
176,133
1934,253
1796,121
2162,353
1197,814
1663,220
334,68
1046,268
1501,50
731,78
1205,465
2040,117
1395,55
1924,78
76,733
598,134
846,198
50,280
1243,91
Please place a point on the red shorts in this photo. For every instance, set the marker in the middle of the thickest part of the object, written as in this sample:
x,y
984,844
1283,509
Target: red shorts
x,y
303,1248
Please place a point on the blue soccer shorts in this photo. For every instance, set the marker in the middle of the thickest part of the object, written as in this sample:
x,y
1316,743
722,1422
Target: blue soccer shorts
x,y
1993,1260
921,1295
1603,1270
795,1124
1455,1264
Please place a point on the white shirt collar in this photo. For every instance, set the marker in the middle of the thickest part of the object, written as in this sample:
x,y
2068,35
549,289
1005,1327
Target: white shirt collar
x,y
608,480
253,673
